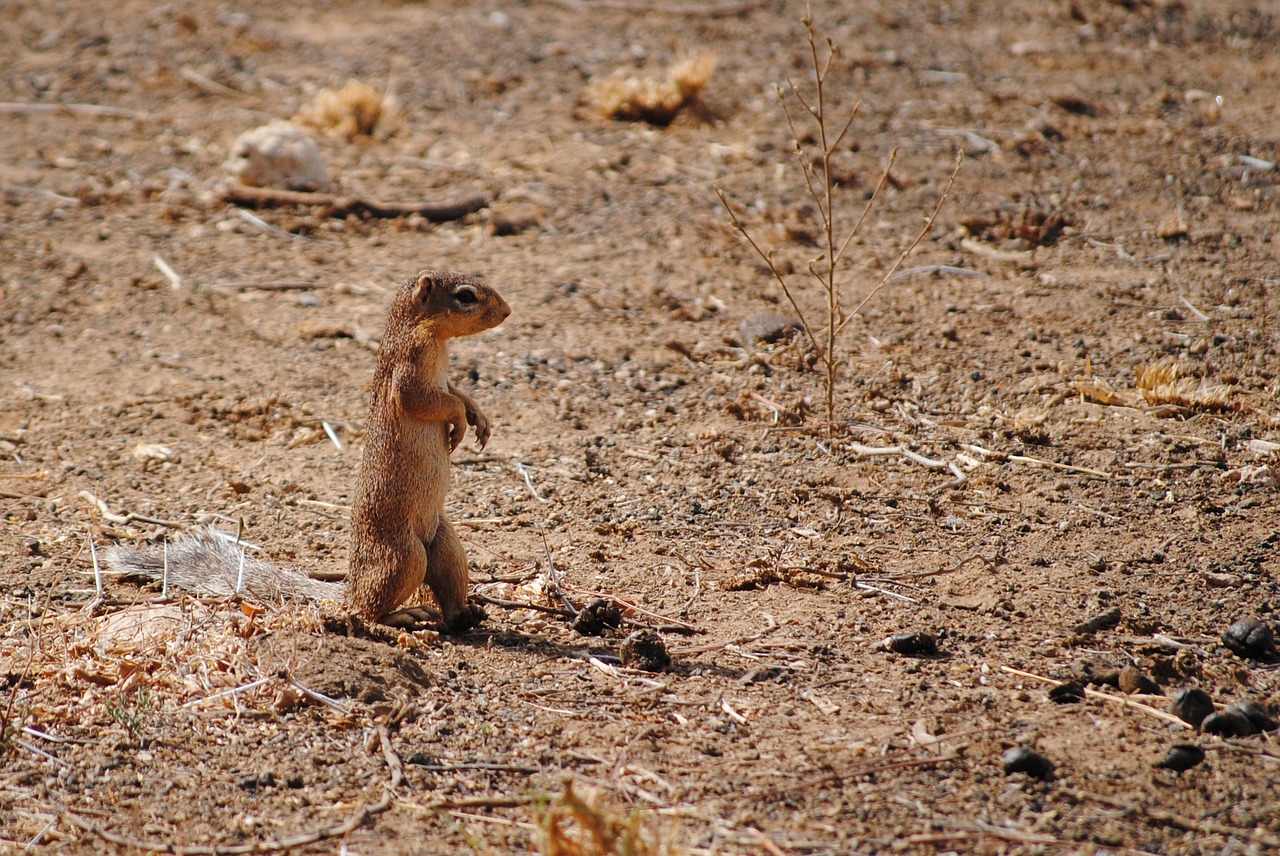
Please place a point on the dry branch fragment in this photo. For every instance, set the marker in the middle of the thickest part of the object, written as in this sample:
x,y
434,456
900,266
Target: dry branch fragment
x,y
341,206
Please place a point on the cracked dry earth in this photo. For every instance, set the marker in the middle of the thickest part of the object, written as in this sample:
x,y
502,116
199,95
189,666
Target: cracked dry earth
x,y
1080,358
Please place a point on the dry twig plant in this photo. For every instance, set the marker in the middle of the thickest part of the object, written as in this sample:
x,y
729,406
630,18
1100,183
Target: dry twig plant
x,y
815,162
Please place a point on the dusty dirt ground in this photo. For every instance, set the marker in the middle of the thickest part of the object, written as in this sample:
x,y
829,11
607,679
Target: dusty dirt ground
x,y
1116,212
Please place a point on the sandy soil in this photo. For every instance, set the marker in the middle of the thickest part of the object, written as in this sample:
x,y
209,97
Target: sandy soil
x,y
1114,218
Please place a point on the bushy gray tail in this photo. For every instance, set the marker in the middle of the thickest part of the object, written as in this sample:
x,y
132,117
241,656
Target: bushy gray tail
x,y
208,562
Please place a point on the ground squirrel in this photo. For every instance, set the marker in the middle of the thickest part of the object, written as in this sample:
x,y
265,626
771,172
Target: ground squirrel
x,y
400,537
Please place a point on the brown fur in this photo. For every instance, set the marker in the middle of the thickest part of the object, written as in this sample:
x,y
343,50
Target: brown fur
x,y
400,538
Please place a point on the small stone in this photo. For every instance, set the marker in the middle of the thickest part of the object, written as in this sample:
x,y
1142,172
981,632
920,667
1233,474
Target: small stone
x,y
596,616
1253,639
278,154
1181,757
767,327
1191,706
1132,680
1069,693
644,650
1228,723
914,644
1172,227
1023,760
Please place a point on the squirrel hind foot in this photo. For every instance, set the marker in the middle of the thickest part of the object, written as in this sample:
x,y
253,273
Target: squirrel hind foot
x,y
468,617
424,618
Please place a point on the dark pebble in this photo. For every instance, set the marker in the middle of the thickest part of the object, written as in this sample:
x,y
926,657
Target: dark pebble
x,y
1253,639
1181,756
644,650
1023,760
596,616
767,327
1191,706
1068,693
1132,680
1257,714
916,643
1228,723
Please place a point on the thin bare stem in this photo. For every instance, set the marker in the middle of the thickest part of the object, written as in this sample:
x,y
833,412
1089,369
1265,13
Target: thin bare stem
x,y
768,260
928,226
806,168
847,125
875,196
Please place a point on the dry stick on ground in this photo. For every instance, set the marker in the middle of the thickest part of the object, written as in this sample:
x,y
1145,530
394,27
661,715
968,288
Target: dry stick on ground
x,y
75,110
519,604
553,577
712,10
276,845
341,206
1128,702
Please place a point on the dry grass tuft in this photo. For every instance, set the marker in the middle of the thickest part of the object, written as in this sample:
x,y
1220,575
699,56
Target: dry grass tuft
x,y
641,99
355,110
1161,384
1160,388
577,826
135,666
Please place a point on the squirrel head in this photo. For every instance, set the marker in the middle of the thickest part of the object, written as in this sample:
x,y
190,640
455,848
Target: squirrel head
x,y
445,305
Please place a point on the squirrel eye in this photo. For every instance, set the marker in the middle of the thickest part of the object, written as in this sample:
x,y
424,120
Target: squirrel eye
x,y
466,296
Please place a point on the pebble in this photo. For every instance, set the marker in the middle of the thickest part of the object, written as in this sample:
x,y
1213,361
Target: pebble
x,y
1181,756
1191,706
1253,639
644,650
278,154
1023,760
767,327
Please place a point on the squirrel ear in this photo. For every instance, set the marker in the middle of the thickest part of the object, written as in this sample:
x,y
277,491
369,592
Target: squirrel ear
x,y
425,285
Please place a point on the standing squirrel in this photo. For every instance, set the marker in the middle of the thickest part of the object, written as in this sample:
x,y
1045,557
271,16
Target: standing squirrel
x,y
400,537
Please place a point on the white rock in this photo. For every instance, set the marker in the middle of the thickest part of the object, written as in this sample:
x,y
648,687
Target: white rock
x,y
279,154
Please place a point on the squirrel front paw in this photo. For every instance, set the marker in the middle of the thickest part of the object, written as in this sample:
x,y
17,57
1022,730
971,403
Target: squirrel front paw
x,y
481,422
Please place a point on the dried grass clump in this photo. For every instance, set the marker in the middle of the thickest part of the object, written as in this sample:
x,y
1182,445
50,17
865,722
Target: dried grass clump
x,y
642,99
1161,384
355,110
1161,389
574,826
134,667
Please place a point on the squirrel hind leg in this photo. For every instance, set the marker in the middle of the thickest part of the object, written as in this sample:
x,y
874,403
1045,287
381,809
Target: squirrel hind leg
x,y
383,576
448,577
